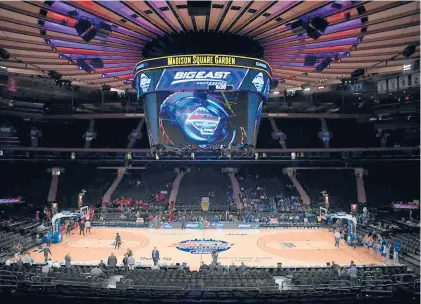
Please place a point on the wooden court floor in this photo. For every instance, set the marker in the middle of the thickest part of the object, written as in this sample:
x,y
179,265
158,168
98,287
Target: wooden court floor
x,y
291,247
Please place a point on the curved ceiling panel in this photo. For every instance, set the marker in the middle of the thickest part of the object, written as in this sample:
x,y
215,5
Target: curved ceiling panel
x,y
44,36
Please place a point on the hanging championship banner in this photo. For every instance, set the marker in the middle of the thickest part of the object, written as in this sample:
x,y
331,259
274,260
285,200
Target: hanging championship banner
x,y
403,82
415,80
392,84
381,87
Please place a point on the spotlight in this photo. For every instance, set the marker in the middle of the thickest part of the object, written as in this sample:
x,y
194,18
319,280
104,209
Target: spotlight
x,y
103,29
106,87
357,73
85,29
73,14
336,5
4,54
347,16
409,51
306,87
81,63
54,75
310,60
298,27
324,64
312,33
97,63
319,24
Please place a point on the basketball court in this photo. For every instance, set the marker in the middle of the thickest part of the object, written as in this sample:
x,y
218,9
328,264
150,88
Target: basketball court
x,y
259,247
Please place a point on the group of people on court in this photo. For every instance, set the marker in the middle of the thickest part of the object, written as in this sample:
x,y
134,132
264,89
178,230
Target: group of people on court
x,y
376,244
117,243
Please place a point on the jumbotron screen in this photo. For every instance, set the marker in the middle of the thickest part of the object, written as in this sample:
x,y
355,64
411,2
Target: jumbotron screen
x,y
203,101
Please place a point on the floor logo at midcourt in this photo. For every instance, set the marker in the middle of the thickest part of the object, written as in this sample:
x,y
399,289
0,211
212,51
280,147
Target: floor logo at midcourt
x,y
206,246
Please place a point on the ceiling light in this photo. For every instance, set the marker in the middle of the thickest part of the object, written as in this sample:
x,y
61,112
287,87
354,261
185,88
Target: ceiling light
x,y
276,93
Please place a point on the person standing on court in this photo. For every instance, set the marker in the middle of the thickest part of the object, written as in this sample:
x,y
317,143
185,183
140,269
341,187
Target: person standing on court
x,y
82,228
117,241
155,256
88,226
201,223
337,238
67,260
46,251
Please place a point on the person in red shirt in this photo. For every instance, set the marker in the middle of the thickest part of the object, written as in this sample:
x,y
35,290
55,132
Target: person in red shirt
x,y
151,218
171,217
63,230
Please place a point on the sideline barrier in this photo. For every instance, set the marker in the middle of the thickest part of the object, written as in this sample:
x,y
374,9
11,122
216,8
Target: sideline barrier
x,y
220,225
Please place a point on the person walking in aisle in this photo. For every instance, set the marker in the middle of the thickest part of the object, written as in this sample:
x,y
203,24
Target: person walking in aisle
x,y
214,257
112,262
131,262
67,260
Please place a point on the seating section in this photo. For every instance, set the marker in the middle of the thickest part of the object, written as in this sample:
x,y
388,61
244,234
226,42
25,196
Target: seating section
x,y
17,230
205,182
339,184
198,280
29,181
325,275
143,185
395,182
268,191
83,177
178,285
409,244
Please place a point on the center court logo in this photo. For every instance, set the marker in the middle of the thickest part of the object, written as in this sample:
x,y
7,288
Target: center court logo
x,y
202,246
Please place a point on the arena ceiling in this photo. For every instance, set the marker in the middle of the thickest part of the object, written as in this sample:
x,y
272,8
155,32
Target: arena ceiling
x,y
41,36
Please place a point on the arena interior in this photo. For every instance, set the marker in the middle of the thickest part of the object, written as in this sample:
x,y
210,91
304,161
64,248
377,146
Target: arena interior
x,y
210,151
